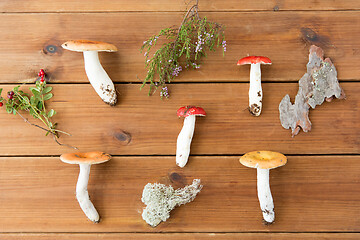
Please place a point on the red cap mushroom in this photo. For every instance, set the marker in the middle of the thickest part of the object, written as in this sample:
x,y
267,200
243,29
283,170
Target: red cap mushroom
x,y
190,110
255,90
187,132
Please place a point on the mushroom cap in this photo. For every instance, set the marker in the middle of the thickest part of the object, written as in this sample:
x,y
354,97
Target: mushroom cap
x,y
87,45
254,60
263,159
88,157
190,110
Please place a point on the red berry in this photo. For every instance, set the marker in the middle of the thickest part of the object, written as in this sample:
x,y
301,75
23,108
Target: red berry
x,y
1,104
11,93
10,96
42,80
41,73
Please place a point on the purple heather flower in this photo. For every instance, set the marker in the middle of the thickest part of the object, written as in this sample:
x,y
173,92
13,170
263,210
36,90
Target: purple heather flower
x,y
224,45
199,43
195,65
164,92
176,70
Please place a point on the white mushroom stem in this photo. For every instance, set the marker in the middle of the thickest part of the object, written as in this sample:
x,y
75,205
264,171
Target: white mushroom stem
x,y
264,195
255,90
82,194
98,78
184,141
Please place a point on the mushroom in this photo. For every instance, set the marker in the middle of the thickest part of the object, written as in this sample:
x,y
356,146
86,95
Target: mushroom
x,y
255,91
85,160
97,76
263,161
186,133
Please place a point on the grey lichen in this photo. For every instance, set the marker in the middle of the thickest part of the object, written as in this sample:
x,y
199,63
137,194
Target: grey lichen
x,y
319,83
161,199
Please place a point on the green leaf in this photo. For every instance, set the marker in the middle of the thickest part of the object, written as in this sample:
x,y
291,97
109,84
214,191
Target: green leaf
x,y
8,109
48,96
1,90
16,88
26,99
32,100
51,113
36,93
47,90
34,89
39,105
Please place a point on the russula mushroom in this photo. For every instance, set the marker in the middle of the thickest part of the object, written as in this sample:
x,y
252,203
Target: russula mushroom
x,y
85,160
255,90
97,76
263,161
186,133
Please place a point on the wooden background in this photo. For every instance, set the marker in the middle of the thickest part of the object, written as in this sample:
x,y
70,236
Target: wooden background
x,y
317,194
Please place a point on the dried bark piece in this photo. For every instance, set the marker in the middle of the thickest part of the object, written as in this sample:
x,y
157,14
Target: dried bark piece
x,y
319,83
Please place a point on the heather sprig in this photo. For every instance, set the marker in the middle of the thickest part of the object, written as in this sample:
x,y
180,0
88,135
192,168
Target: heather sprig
x,y
185,48
17,100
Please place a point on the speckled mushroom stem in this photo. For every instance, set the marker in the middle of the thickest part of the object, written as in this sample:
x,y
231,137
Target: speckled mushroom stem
x,y
82,194
264,195
184,141
98,78
255,90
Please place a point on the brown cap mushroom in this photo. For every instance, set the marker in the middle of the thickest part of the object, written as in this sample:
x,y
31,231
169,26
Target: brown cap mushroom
x,y
263,161
88,157
85,160
87,45
97,76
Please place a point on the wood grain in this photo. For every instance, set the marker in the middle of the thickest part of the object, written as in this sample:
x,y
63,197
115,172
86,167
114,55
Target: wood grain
x,y
142,125
310,194
181,236
174,5
284,37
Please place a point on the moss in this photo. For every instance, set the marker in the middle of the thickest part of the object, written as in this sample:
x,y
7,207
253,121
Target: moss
x,y
161,199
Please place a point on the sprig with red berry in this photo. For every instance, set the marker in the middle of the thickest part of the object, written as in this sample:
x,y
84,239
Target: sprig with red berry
x,y
17,100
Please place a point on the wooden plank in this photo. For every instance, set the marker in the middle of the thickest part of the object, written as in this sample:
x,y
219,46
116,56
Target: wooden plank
x,y
180,236
175,5
142,125
311,194
284,37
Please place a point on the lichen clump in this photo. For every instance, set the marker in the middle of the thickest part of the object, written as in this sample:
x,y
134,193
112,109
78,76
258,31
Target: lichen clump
x,y
319,83
161,199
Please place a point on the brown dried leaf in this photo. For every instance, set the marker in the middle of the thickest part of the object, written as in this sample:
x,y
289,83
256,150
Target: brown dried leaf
x,y
319,83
